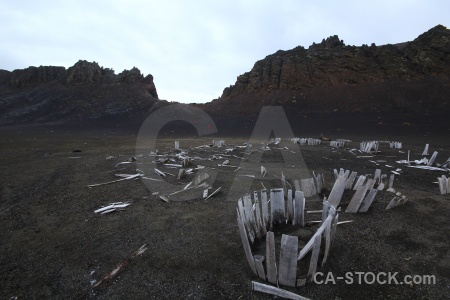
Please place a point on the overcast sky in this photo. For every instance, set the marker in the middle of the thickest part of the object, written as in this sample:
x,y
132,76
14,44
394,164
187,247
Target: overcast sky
x,y
194,49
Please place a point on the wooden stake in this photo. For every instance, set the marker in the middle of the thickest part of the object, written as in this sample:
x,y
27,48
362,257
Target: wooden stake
x,y
271,265
288,260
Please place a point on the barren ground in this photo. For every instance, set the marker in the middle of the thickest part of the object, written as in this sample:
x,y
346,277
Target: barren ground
x,y
53,246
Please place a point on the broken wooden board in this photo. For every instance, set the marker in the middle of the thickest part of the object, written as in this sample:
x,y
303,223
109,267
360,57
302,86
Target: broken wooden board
x,y
287,272
271,265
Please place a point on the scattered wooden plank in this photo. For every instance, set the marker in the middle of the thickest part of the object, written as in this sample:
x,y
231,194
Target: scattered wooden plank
x,y
271,290
122,179
287,273
271,265
425,151
121,266
213,193
245,243
368,201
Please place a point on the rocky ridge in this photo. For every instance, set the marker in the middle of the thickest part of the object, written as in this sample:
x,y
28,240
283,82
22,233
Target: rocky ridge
x,y
82,92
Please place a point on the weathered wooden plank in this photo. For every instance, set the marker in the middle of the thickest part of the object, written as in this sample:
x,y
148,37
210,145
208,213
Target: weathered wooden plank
x,y
368,201
283,183
314,256
425,151
338,189
271,265
264,208
249,215
433,157
370,183
357,199
377,176
327,241
350,180
245,243
299,209
260,228
297,185
359,182
334,227
326,206
277,208
391,181
308,187
287,272
259,266
290,206
271,290
244,220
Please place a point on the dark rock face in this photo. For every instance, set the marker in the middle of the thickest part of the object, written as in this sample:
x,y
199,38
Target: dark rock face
x,y
83,92
331,63
331,80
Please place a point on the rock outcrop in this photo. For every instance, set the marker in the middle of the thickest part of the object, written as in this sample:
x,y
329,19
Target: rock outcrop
x,y
332,63
83,92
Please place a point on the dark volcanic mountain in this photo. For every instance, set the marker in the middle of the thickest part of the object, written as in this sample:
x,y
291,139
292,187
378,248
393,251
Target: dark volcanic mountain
x,y
83,93
331,83
328,87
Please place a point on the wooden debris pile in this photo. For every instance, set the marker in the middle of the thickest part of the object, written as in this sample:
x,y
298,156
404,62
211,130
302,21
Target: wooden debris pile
x,y
369,146
306,141
395,145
